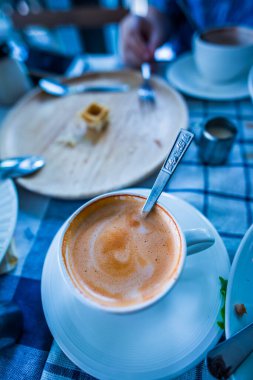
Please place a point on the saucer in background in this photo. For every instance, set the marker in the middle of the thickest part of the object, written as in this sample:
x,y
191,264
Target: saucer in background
x,y
164,340
8,214
183,75
240,290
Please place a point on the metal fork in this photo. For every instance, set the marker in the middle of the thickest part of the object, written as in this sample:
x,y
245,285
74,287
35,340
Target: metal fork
x,y
146,92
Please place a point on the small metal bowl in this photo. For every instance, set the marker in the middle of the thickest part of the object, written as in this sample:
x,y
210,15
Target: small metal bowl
x,y
216,140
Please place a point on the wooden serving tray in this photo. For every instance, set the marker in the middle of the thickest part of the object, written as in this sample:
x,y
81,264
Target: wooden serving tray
x,y
134,144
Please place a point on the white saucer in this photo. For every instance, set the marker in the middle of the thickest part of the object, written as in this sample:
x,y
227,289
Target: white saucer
x,y
8,214
183,75
240,287
164,340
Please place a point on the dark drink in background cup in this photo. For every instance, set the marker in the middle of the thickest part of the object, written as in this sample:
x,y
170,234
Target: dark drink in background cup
x,y
229,36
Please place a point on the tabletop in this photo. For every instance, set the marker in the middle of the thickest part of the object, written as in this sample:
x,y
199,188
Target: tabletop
x,y
224,194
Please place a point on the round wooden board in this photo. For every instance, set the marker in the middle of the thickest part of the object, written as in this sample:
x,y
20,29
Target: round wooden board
x,y
134,144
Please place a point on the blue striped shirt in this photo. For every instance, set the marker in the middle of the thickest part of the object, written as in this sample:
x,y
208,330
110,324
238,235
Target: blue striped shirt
x,y
206,14
211,13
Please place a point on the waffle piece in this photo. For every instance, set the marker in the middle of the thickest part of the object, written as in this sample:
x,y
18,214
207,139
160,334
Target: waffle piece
x,y
95,116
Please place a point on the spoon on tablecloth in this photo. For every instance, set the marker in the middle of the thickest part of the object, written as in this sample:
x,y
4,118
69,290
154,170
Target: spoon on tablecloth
x,y
182,143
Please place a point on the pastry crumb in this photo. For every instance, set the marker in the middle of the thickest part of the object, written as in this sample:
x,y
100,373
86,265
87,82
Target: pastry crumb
x,y
73,135
158,143
240,309
93,118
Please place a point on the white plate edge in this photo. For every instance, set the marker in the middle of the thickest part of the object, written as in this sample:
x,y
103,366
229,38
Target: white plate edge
x,y
14,193
233,270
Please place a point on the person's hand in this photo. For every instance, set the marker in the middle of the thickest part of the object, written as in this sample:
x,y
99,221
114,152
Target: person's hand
x,y
140,36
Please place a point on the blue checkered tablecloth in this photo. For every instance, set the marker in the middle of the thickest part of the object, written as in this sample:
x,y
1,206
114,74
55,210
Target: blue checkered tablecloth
x,y
224,194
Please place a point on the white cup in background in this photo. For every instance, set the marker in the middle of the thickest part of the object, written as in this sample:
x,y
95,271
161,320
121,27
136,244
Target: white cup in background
x,y
223,54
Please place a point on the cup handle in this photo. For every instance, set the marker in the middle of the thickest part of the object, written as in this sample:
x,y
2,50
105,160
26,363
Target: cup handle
x,y
197,240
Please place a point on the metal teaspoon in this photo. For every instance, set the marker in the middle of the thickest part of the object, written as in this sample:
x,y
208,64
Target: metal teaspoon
x,y
183,141
56,88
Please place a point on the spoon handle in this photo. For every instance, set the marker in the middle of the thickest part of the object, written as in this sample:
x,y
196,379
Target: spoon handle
x,y
183,141
146,71
80,88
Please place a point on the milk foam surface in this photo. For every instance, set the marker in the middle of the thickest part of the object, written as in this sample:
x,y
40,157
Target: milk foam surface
x,y
117,257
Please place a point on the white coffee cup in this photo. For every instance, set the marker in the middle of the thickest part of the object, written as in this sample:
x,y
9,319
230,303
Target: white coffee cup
x,y
192,241
223,54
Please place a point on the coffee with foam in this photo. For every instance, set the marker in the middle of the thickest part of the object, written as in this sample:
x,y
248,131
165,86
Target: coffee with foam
x,y
116,257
